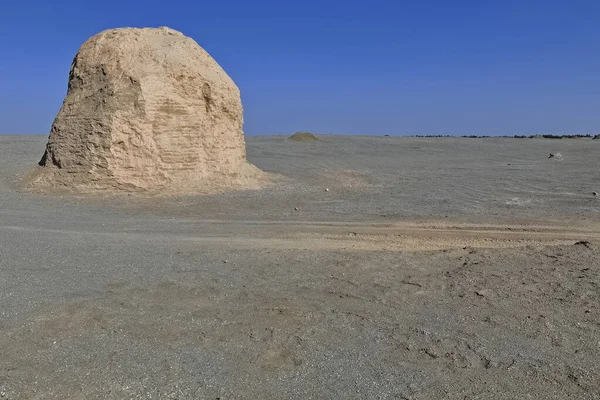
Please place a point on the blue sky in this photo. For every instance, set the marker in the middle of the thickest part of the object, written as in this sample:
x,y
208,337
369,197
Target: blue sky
x,y
329,66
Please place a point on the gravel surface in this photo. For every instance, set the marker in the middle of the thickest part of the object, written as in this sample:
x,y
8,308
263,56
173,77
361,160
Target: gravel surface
x,y
430,269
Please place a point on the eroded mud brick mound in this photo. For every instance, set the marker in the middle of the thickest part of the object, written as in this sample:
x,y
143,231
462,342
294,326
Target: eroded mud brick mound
x,y
147,109
303,137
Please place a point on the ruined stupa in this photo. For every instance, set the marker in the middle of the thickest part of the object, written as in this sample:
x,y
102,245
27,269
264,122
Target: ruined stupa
x,y
147,110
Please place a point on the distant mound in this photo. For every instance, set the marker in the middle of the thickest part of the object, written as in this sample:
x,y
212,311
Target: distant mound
x,y
597,137
303,137
147,110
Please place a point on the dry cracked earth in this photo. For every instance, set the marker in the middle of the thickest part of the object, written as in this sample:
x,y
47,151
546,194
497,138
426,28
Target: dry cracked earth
x,y
375,268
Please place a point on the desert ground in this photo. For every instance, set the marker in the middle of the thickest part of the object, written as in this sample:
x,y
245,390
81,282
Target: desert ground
x,y
373,268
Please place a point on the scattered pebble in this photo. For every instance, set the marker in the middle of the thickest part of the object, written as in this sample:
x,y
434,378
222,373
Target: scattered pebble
x,y
295,208
327,190
484,293
225,261
595,193
558,156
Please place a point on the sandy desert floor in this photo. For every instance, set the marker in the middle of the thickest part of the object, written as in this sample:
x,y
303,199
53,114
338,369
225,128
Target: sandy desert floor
x,y
430,269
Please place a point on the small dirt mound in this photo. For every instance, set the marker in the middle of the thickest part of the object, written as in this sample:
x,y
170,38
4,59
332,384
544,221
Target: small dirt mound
x,y
303,137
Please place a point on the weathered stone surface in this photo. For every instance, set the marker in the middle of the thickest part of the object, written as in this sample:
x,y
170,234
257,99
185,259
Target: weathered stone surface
x,y
147,109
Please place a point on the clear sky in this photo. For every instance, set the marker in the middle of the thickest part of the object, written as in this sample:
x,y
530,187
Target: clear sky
x,y
333,66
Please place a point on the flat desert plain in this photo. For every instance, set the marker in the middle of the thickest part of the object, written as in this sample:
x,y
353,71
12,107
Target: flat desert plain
x,y
374,268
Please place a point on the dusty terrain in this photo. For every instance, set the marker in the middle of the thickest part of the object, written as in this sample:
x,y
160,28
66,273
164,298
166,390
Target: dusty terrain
x,y
429,269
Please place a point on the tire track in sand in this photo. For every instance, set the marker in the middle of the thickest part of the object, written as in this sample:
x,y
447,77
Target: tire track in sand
x,y
351,236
